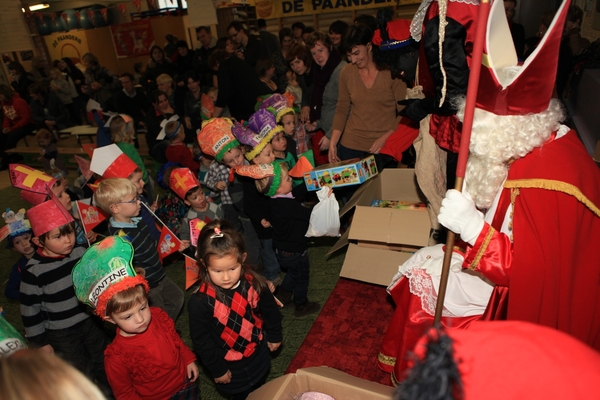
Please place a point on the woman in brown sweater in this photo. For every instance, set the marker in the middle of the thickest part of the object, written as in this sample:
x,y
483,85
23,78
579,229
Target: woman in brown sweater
x,y
365,115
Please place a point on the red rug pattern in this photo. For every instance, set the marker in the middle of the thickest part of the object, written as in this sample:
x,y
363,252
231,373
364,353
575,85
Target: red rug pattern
x,y
348,332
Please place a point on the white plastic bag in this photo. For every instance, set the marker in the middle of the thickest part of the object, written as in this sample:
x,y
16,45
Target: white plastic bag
x,y
325,217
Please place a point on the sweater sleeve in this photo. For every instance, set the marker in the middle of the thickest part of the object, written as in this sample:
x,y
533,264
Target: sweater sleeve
x,y
271,317
119,377
343,104
169,326
213,176
205,346
31,309
184,228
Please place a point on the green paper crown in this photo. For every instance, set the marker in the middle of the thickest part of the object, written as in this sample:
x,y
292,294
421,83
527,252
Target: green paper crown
x,y
10,339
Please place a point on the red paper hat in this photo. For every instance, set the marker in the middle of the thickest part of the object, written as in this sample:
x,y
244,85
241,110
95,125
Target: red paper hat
x,y
35,184
398,32
530,90
110,162
520,360
182,181
47,216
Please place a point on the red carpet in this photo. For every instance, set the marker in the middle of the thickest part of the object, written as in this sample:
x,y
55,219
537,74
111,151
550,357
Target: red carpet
x,y
348,332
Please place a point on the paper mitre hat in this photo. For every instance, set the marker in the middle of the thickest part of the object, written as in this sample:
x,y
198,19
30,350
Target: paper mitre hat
x,y
530,89
182,180
264,124
260,171
396,36
48,215
110,162
104,270
34,184
10,339
16,224
302,166
250,138
216,138
207,107
278,105
163,124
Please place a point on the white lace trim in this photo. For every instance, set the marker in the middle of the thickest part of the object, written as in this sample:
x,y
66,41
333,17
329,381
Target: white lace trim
x,y
416,26
421,286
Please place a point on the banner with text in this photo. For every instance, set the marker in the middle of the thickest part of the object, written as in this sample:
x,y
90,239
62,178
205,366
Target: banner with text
x,y
72,44
289,8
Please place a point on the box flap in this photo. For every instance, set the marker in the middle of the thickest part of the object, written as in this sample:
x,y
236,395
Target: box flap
x,y
342,242
356,197
389,225
341,385
401,184
284,387
372,265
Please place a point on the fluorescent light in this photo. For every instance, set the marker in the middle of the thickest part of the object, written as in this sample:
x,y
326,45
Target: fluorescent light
x,y
40,6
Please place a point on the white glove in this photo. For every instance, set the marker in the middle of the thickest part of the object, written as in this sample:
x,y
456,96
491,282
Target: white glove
x,y
433,265
458,213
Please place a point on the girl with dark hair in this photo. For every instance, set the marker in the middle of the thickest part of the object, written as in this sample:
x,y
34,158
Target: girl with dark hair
x,y
232,296
300,62
366,112
20,79
266,71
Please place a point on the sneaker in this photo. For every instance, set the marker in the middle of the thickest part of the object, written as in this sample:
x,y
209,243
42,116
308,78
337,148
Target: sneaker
x,y
284,297
307,308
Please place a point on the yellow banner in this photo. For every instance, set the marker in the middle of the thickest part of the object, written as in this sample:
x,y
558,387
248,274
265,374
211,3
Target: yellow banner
x,y
72,44
289,8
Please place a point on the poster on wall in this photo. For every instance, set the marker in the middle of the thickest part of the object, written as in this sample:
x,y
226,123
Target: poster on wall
x,y
132,39
289,8
72,44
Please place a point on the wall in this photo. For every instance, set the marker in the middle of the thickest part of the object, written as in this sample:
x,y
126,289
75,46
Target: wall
x,y
591,17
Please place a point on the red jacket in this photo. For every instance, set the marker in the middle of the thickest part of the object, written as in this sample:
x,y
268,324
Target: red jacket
x,y
17,113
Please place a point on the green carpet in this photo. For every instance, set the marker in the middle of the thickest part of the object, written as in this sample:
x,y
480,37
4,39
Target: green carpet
x,y
324,275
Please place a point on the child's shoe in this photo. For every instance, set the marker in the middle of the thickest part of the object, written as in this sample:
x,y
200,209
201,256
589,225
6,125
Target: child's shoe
x,y
284,297
307,308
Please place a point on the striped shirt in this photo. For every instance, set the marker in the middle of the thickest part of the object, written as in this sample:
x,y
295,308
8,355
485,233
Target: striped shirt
x,y
47,296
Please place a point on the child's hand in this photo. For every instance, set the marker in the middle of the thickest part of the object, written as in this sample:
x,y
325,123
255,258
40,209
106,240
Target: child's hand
x,y
310,126
154,206
185,244
271,286
91,236
221,185
192,372
324,143
265,223
273,346
225,378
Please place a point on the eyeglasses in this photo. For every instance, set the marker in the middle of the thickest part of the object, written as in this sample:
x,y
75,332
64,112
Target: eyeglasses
x,y
132,201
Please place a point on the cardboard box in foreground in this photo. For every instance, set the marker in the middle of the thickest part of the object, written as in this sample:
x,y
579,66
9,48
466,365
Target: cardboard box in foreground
x,y
330,381
380,239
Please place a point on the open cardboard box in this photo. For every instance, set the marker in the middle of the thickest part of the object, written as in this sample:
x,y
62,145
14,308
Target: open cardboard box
x,y
381,239
330,381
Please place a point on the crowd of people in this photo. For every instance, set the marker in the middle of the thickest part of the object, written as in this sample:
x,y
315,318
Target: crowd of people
x,y
233,125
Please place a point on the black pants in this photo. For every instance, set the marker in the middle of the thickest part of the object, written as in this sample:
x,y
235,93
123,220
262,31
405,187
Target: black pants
x,y
9,140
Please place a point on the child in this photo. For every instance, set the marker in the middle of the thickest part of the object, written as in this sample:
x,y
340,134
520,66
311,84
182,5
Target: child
x,y
119,197
49,154
147,358
207,103
110,162
283,143
256,205
231,297
62,88
290,223
53,318
19,239
122,133
217,140
61,180
171,208
294,88
185,185
177,151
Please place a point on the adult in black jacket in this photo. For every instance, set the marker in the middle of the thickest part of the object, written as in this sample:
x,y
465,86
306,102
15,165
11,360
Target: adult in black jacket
x,y
250,48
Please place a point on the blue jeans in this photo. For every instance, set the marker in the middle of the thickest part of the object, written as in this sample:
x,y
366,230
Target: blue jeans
x,y
297,277
271,267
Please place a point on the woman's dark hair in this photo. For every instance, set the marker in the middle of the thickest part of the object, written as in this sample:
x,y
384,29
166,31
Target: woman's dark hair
x,y
314,37
193,75
358,35
298,25
300,52
38,88
339,27
368,20
221,43
217,57
152,52
308,29
137,67
262,65
69,62
285,32
16,66
156,94
90,58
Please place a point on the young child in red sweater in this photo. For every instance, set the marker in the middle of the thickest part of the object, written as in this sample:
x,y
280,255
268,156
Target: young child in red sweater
x,y
177,151
147,358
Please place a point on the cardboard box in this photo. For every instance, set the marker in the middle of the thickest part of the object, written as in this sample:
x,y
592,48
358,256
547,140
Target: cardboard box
x,y
330,381
343,173
380,239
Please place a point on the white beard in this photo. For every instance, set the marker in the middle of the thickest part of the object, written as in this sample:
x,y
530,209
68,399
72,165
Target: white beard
x,y
498,139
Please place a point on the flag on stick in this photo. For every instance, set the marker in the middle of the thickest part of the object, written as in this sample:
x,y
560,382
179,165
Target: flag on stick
x,y
192,272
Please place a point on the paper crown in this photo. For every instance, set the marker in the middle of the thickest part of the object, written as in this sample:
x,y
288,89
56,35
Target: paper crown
x,y
10,339
264,124
216,138
48,215
260,171
397,35
278,105
104,270
163,124
16,224
182,180
34,184
207,107
530,90
110,162
302,165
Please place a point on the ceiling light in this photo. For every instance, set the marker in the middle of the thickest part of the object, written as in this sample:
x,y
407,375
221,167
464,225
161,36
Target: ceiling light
x,y
40,6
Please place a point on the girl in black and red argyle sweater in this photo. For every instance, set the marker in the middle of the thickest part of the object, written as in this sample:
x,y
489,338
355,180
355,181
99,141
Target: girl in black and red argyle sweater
x,y
234,320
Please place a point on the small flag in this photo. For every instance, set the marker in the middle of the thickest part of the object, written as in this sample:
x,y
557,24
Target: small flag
x,y
168,243
104,12
138,5
196,226
91,15
192,272
84,166
123,8
89,148
66,18
90,215
78,17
